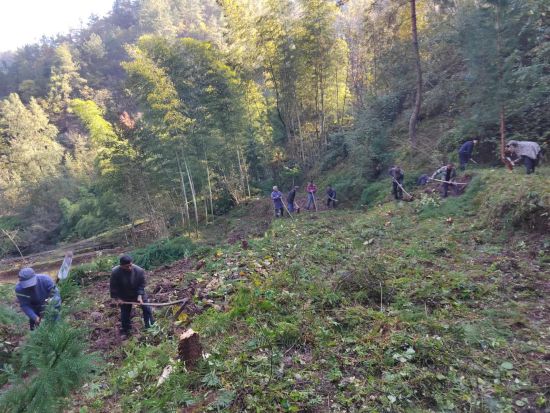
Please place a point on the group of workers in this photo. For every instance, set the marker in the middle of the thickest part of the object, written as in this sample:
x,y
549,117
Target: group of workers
x,y
526,152
37,292
516,152
291,205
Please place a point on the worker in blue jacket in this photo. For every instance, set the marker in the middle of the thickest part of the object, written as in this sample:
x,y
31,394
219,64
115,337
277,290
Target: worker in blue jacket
x,y
465,153
34,292
277,198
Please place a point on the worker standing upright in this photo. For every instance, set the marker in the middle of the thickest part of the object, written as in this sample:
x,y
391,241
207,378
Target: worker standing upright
x,y
290,200
331,197
311,190
277,198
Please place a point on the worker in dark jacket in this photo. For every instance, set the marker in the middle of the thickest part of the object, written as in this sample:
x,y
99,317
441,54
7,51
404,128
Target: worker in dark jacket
x,y
34,292
128,284
448,173
331,197
465,153
290,200
398,176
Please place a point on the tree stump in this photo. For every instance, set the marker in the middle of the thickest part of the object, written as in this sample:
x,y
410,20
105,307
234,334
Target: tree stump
x,y
189,348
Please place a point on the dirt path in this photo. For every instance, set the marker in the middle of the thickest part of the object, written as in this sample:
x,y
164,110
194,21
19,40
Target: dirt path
x,y
48,265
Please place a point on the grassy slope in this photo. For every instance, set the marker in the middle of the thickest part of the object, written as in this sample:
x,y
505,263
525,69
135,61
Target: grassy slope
x,y
407,307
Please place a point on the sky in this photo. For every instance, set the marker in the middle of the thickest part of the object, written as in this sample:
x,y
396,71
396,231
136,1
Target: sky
x,y
26,21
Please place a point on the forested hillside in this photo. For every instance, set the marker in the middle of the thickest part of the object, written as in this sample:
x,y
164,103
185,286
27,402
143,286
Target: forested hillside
x,y
159,131
172,111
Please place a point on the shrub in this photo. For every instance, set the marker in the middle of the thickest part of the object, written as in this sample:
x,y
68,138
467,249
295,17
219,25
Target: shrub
x,y
84,271
375,193
163,252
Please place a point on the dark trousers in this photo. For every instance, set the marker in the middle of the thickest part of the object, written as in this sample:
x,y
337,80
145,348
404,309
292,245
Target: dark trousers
x,y
331,201
126,311
279,212
396,189
446,189
529,164
464,159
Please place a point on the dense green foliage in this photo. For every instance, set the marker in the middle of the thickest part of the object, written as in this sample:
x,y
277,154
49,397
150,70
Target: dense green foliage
x,y
163,252
49,366
173,111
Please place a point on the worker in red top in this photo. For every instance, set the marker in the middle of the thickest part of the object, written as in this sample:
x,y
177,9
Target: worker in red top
x,y
311,190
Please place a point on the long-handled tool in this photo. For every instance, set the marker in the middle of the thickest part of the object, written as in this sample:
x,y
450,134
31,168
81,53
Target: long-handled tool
x,y
184,300
448,182
286,209
314,203
401,186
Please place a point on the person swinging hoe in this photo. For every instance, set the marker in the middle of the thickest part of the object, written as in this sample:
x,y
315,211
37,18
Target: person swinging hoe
x,y
127,287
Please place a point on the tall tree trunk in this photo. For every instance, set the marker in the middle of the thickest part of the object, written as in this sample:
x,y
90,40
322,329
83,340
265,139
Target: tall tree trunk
x,y
184,190
241,173
302,149
413,121
502,136
324,134
278,101
194,195
502,124
209,185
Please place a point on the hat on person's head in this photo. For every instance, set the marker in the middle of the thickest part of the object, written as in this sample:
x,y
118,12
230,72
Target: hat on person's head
x,y
125,260
27,278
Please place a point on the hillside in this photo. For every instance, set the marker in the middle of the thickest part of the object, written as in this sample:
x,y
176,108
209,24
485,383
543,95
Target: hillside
x,y
431,305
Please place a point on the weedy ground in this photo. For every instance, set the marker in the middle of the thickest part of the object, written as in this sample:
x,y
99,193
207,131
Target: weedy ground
x,y
432,305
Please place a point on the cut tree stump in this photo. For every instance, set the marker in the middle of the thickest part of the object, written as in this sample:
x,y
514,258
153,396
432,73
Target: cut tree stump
x,y
189,348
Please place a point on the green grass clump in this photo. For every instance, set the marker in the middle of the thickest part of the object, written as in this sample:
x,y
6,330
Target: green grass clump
x,y
90,270
516,201
163,252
